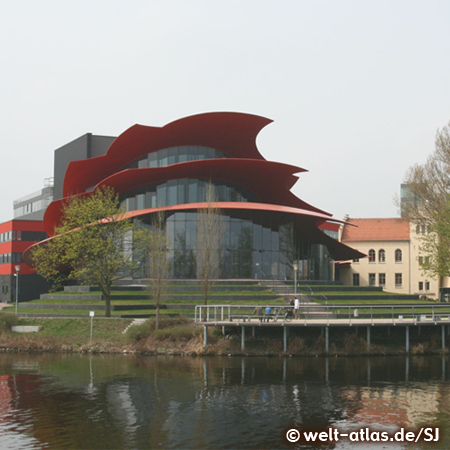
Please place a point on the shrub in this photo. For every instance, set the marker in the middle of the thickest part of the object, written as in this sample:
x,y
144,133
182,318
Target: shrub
x,y
7,321
176,329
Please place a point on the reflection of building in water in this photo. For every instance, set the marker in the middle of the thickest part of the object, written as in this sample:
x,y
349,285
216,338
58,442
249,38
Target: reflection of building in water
x,y
216,402
391,406
5,397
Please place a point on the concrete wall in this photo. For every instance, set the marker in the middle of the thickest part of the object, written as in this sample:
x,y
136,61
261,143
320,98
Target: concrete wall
x,y
86,146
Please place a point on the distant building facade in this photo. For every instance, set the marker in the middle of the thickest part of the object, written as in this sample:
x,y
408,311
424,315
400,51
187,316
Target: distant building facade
x,y
393,256
27,227
15,236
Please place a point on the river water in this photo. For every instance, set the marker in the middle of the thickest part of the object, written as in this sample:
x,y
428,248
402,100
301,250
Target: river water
x,y
145,402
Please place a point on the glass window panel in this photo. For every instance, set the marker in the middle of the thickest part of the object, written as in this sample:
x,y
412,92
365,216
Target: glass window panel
x,y
193,153
221,193
140,201
172,192
170,233
148,199
193,189
201,153
235,233
172,153
257,236
266,239
180,232
191,234
163,156
161,194
153,159
183,155
143,163
181,191
201,195
130,204
275,240
256,260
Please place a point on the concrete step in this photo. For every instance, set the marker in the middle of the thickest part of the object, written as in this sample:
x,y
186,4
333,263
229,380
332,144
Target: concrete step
x,y
135,322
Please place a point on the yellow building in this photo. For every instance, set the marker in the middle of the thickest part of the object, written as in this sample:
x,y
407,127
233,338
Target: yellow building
x,y
392,261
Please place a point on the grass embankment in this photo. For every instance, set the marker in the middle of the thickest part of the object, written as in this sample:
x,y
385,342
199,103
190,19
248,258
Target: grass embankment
x,y
177,336
175,302
181,337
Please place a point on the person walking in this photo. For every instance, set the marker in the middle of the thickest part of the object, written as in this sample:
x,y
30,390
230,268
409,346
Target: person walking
x,y
296,307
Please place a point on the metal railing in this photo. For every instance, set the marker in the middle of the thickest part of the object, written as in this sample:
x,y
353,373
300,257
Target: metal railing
x,y
327,314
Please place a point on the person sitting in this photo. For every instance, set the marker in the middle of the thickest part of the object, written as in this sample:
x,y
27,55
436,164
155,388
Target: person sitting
x,y
258,313
268,313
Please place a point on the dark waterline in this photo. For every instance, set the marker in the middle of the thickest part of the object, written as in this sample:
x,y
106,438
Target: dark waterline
x,y
132,402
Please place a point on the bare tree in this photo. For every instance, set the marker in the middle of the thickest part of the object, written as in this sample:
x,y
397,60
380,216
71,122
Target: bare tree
x,y
210,232
427,205
158,265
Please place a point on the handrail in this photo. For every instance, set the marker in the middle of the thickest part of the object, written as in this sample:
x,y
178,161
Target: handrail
x,y
351,314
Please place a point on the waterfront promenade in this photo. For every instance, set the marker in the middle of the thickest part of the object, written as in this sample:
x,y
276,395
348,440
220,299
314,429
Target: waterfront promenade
x,y
249,317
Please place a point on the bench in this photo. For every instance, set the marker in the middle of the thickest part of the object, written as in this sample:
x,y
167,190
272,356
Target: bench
x,y
424,318
249,317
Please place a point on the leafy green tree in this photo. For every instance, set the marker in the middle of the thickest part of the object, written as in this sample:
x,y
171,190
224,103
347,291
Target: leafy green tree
x,y
95,244
427,205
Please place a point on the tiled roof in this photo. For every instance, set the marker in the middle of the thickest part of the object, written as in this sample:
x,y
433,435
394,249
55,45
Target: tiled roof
x,y
376,230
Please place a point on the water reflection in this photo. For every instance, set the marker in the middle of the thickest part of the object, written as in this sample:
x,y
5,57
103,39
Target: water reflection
x,y
75,401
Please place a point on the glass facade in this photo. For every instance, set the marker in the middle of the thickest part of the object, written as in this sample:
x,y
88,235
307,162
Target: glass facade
x,y
175,155
182,191
259,246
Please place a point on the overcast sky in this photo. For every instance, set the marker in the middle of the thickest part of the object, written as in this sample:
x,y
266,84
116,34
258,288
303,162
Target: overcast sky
x,y
357,89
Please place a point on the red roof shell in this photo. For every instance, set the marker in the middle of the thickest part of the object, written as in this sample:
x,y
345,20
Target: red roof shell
x,y
232,133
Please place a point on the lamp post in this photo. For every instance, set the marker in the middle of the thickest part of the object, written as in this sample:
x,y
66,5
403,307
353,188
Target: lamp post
x,y
17,267
295,265
91,315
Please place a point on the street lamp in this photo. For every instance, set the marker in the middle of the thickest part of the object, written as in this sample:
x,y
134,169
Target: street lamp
x,y
17,267
295,265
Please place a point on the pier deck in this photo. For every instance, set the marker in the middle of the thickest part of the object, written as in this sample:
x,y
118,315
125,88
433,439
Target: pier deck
x,y
325,316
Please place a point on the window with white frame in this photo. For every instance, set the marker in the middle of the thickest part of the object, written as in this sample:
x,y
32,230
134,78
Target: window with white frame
x,y
398,256
381,256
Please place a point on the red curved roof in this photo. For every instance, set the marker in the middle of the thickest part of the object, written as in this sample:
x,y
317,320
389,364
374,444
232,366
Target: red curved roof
x,y
233,133
317,216
271,181
310,221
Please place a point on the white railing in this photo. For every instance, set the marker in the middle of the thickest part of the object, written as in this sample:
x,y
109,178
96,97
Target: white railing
x,y
324,314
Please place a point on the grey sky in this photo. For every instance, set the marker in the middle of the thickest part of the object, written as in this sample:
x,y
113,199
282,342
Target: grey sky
x,y
356,89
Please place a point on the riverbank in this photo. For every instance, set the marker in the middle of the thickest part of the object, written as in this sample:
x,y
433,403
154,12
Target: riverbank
x,y
181,337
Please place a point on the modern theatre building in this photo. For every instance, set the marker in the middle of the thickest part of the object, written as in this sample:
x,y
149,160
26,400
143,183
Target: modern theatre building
x,y
268,229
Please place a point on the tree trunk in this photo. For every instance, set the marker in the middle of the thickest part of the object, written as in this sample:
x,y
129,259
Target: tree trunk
x,y
107,305
157,316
